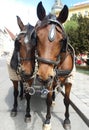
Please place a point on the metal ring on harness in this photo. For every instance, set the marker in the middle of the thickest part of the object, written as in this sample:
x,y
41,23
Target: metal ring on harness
x,y
31,91
45,92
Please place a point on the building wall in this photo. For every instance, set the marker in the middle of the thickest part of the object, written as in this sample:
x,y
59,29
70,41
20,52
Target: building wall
x,y
82,9
6,43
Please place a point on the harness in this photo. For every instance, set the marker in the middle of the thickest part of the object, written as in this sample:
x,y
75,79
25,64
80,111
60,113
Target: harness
x,y
51,36
20,59
58,73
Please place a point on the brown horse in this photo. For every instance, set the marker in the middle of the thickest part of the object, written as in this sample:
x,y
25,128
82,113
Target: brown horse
x,y
55,59
23,62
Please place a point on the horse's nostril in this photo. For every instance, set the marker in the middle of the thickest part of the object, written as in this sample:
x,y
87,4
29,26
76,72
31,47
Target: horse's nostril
x,y
23,72
50,77
38,77
42,80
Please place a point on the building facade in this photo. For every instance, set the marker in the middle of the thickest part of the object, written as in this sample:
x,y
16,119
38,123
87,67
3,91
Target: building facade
x,y
6,41
79,8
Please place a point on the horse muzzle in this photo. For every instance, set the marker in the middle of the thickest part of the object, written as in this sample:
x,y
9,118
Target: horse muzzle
x,y
25,77
45,82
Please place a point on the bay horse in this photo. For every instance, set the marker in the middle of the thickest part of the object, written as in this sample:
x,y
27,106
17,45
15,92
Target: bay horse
x,y
23,62
55,58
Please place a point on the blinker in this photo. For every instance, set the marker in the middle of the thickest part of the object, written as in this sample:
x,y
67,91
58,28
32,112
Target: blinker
x,y
52,33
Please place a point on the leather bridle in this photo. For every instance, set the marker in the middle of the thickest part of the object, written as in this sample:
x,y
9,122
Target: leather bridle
x,y
20,59
55,23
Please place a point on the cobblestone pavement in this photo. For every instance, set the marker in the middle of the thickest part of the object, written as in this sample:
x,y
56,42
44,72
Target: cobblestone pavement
x,y
79,95
81,88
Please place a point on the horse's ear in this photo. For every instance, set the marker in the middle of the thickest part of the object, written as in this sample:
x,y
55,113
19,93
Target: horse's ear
x,y
41,13
63,14
20,23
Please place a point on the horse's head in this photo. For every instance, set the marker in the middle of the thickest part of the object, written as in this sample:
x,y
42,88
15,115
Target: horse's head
x,y
51,40
24,51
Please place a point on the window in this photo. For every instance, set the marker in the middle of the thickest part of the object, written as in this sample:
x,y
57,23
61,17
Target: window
x,y
86,13
79,13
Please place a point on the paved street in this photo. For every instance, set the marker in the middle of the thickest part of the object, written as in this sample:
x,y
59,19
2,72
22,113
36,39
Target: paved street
x,y
79,94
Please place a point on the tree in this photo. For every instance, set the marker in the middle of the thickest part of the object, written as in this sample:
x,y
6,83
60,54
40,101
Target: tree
x,y
71,29
77,29
83,34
